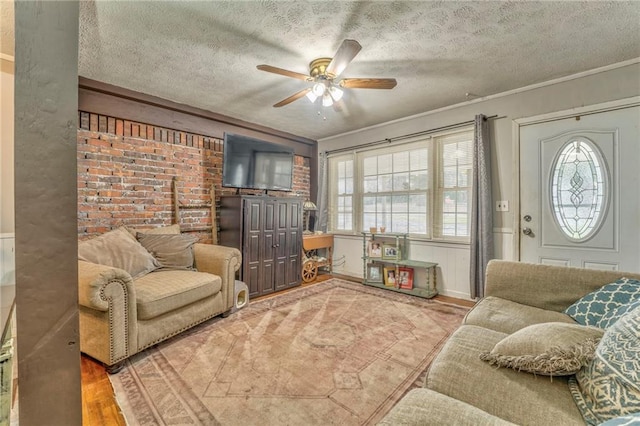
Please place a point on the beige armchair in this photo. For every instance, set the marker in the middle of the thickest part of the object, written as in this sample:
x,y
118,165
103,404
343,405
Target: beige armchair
x,y
120,316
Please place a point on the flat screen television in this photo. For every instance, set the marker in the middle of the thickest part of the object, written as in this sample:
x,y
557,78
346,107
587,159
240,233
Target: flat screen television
x,y
256,164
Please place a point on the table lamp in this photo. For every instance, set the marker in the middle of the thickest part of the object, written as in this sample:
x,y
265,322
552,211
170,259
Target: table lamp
x,y
308,207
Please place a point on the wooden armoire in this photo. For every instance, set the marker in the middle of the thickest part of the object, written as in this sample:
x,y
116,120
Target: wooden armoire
x,y
268,232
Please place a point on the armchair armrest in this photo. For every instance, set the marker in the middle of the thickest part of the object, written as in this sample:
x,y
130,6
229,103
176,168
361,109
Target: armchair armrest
x,y
424,407
222,261
548,287
108,313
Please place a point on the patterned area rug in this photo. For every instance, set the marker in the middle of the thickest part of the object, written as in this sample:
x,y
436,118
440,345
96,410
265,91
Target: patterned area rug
x,y
333,353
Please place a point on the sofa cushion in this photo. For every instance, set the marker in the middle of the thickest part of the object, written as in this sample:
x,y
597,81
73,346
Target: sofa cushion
x,y
600,307
118,249
520,398
550,349
423,407
609,386
164,291
171,251
508,317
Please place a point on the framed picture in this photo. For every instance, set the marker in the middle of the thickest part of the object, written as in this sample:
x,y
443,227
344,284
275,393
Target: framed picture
x,y
374,249
374,273
390,279
390,252
405,278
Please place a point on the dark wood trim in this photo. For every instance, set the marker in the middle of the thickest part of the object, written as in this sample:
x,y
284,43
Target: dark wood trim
x,y
105,99
313,174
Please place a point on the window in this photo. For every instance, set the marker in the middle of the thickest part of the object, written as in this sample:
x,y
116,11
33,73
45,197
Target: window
x,y
578,189
454,185
342,169
422,188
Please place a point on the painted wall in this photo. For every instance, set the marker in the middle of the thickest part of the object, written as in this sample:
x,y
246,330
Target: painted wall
x,y
7,241
599,86
6,146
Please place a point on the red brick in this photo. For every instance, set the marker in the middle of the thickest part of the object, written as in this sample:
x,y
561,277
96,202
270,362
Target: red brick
x,y
126,180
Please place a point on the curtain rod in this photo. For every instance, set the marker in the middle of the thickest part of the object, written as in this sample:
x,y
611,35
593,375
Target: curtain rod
x,y
408,136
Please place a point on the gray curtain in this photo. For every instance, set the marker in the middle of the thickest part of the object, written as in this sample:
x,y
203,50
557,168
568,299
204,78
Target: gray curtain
x,y
323,197
481,207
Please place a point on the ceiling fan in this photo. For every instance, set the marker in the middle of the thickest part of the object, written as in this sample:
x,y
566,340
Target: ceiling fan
x,y
324,72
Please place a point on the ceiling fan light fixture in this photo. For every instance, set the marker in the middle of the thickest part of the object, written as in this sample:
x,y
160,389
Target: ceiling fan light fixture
x,y
326,99
312,96
323,75
336,94
318,89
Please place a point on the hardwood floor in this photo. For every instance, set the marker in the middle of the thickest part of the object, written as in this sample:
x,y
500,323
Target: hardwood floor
x,y
99,407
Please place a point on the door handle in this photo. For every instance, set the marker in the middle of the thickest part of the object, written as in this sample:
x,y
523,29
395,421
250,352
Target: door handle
x,y
527,231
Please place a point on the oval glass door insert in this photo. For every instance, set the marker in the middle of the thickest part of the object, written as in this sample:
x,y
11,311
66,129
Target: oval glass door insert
x,y
579,188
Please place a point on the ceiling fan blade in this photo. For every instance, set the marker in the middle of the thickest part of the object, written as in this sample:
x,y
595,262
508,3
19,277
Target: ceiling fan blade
x,y
292,98
286,73
345,54
368,83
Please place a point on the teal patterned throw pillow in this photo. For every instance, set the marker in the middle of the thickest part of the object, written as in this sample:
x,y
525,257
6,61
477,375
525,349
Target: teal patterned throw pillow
x,y
600,308
609,387
630,420
617,314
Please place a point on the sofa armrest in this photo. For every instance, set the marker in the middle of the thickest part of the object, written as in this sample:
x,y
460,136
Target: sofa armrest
x,y
548,287
222,261
108,313
424,407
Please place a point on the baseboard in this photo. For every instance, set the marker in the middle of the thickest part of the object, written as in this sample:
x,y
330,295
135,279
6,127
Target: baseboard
x,y
457,295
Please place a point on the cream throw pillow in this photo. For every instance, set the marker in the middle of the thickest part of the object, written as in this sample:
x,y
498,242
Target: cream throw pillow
x,y
118,249
549,349
171,229
171,251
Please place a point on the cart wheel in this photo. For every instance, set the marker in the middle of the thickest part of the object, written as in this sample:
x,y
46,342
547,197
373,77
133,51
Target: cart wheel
x,y
309,271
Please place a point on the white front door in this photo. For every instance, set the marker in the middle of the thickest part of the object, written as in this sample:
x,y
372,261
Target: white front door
x,y
580,191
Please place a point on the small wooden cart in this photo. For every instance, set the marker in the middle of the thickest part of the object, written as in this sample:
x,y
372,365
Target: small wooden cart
x,y
310,261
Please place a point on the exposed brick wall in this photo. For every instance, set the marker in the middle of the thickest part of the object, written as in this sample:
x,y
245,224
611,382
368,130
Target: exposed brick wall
x,y
125,171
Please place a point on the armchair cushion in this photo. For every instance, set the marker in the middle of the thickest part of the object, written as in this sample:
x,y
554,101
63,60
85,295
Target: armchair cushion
x,y
118,249
164,291
171,251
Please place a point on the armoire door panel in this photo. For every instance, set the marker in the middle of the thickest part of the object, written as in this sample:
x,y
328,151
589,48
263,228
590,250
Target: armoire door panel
x,y
252,248
269,247
267,278
252,279
293,271
293,244
294,216
269,216
254,223
281,274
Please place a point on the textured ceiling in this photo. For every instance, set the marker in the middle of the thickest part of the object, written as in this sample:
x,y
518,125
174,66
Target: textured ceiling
x,y
204,54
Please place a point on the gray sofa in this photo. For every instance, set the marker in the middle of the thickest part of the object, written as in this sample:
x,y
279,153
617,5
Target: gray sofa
x,y
121,316
461,389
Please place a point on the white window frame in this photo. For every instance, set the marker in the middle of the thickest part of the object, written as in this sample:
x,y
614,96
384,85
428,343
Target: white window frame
x,y
434,191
